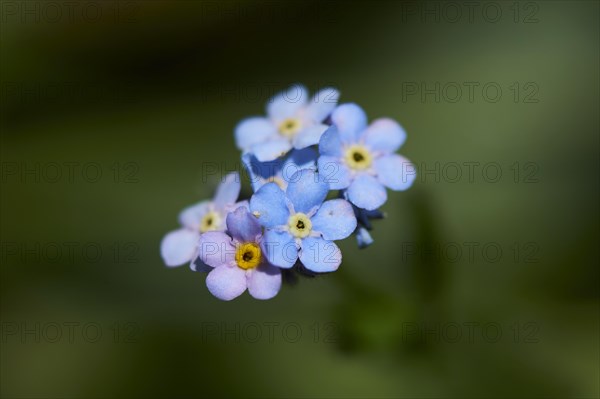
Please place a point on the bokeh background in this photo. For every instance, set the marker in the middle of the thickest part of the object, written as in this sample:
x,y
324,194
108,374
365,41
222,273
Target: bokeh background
x,y
116,115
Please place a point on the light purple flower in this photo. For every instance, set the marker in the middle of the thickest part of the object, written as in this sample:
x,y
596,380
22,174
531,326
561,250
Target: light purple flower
x,y
299,225
292,121
361,159
237,259
181,246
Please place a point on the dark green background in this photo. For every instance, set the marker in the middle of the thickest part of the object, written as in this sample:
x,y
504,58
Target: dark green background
x,y
155,94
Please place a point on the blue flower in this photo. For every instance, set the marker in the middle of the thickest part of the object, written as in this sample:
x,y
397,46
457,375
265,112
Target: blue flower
x,y
292,122
280,170
363,217
363,237
180,246
237,259
299,225
361,159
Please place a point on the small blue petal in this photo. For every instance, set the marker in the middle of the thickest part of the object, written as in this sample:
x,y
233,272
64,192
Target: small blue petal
x,y
269,205
350,120
309,136
322,103
287,103
395,172
191,216
252,131
363,238
216,248
284,169
296,161
280,248
228,191
260,172
366,192
384,135
271,149
242,226
198,266
179,247
226,282
306,190
335,220
319,255
334,172
331,143
264,282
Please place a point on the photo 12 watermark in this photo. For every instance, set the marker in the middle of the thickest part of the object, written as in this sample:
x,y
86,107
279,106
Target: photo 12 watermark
x,y
472,252
469,12
69,332
270,332
473,172
27,93
69,252
70,172
471,332
271,12
33,12
470,92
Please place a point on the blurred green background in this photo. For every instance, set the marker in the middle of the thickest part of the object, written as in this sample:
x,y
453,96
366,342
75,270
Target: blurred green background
x,y
138,99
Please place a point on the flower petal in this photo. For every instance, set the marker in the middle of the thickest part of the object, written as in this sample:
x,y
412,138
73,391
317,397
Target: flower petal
x,y
179,247
226,282
269,205
322,103
253,130
264,282
350,120
319,255
331,143
306,190
280,248
309,136
271,149
216,248
287,103
384,135
191,216
259,172
233,207
196,265
363,238
297,160
366,192
335,220
395,171
334,172
282,168
243,226
228,191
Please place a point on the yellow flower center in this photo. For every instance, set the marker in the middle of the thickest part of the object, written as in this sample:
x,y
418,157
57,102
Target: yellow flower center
x,y
248,255
276,180
289,127
300,225
358,157
210,222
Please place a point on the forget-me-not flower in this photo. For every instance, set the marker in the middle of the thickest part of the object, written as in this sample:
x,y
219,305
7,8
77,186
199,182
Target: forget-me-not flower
x,y
280,170
180,246
299,225
361,159
292,121
238,260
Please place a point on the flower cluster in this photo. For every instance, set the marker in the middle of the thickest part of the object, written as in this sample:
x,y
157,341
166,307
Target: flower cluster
x,y
295,156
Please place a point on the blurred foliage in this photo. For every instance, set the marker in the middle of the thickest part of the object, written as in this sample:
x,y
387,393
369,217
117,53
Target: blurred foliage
x,y
161,88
